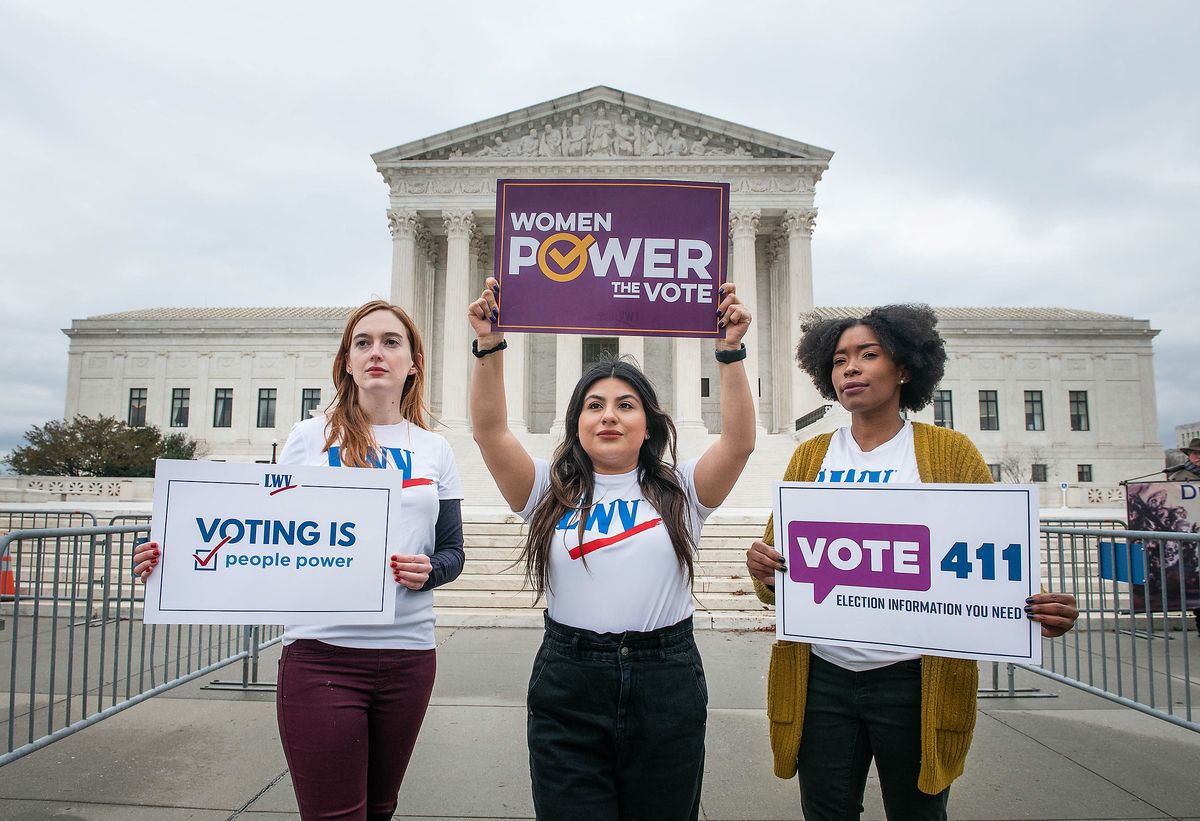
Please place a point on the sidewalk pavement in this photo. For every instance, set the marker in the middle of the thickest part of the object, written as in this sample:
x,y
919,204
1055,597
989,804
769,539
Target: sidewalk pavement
x,y
207,755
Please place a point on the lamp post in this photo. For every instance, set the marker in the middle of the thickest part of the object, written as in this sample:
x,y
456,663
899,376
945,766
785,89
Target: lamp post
x,y
274,447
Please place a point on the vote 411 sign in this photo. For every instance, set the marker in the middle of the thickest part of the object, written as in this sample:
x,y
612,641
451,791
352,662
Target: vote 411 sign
x,y
269,544
940,570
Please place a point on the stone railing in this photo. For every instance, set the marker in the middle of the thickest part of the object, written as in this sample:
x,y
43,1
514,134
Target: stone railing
x,y
72,488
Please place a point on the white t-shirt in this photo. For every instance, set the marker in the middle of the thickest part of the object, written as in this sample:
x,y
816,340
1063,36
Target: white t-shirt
x,y
626,577
430,475
894,462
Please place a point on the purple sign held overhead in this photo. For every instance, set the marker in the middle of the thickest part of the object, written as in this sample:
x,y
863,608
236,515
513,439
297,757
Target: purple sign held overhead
x,y
616,257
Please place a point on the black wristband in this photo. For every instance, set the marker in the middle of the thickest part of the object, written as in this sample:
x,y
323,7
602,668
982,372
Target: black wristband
x,y
481,354
729,357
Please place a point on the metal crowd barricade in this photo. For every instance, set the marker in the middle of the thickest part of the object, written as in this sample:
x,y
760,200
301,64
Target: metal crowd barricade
x,y
75,650
25,518
1121,648
130,519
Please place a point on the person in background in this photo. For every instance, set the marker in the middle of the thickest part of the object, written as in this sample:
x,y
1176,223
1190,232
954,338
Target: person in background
x,y
1189,471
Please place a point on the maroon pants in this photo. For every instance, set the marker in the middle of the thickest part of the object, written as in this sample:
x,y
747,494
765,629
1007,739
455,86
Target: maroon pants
x,y
348,719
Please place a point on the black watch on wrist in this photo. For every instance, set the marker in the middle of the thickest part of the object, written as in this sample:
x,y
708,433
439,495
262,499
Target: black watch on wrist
x,y
481,354
729,357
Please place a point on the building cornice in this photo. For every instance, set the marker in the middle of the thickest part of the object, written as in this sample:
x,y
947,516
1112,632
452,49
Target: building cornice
x,y
603,108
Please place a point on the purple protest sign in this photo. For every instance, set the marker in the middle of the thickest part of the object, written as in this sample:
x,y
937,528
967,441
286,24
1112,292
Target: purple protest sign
x,y
615,257
857,554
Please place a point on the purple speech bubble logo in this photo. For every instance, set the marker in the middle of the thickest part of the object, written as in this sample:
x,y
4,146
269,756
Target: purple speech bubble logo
x,y
828,554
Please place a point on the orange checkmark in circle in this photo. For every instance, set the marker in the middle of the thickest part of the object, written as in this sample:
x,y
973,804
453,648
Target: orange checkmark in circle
x,y
576,254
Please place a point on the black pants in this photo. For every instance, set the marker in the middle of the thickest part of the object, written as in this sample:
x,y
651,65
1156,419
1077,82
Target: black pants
x,y
850,718
616,724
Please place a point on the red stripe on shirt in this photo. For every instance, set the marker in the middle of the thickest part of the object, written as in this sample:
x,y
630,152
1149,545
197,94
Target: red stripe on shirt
x,y
596,544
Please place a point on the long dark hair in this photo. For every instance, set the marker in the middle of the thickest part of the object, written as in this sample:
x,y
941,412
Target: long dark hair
x,y
573,483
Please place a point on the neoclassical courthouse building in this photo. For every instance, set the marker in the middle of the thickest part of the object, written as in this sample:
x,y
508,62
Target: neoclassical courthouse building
x,y
1052,395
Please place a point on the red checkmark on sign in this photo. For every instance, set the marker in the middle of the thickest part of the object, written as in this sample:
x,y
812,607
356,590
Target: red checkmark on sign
x,y
204,562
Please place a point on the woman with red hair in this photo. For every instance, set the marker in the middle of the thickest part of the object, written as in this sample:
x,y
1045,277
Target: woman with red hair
x,y
351,698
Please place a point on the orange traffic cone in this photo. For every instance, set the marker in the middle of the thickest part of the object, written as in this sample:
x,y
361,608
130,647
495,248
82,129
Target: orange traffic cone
x,y
8,585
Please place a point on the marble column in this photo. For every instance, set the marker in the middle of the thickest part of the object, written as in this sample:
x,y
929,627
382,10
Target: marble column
x,y
634,346
688,416
455,345
568,367
201,399
403,226
423,309
798,225
158,397
515,386
743,227
782,363
516,363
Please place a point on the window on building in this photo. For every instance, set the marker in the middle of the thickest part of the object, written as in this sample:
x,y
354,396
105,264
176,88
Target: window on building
x,y
704,387
1083,473
310,399
1035,419
1037,472
137,408
943,409
223,408
989,410
1079,411
994,469
596,348
180,400
266,407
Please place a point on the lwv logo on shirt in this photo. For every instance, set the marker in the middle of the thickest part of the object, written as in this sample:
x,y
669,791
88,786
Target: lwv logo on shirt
x,y
398,458
601,519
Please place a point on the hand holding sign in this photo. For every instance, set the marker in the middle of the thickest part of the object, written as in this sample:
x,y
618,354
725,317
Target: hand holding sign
x,y
733,317
1056,612
482,312
145,559
411,571
763,561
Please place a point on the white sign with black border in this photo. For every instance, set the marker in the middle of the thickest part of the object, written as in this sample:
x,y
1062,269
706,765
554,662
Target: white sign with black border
x,y
272,544
934,569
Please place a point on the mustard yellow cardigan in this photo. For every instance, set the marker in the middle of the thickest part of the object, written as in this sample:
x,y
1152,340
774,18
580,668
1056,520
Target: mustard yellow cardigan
x,y
947,685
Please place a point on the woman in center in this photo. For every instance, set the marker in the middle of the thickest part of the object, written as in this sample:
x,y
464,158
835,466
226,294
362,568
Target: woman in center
x,y
617,698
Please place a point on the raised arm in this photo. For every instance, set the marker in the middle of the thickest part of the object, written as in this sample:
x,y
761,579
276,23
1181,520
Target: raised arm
x,y
506,458
722,464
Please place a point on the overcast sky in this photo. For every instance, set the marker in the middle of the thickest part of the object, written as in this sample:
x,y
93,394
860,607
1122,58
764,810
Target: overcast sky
x,y
218,153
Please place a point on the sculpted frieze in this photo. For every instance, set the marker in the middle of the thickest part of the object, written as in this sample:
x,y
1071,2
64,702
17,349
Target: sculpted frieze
x,y
427,181
600,130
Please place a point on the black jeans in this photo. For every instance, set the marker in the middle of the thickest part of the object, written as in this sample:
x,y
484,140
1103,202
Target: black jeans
x,y
616,724
850,718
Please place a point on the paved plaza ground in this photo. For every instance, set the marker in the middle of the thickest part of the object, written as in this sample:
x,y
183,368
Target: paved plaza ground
x,y
206,755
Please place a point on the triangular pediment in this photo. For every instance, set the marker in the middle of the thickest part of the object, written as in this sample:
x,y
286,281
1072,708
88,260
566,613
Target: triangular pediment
x,y
602,122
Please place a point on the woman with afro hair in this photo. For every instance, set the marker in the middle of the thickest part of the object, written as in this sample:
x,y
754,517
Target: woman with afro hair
x,y
834,709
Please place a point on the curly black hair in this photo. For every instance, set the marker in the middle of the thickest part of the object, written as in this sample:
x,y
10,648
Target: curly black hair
x,y
907,332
